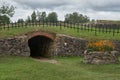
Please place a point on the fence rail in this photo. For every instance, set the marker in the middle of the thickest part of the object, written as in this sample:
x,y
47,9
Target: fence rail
x,y
104,28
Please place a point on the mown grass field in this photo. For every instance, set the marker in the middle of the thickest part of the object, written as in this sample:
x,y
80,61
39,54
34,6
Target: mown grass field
x,y
60,30
67,68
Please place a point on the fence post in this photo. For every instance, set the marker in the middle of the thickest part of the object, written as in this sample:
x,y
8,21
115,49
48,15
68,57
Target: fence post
x,y
60,25
113,26
47,23
0,26
38,22
64,24
92,26
103,26
113,32
96,30
110,28
4,25
18,24
71,26
56,23
106,28
88,27
85,26
77,27
74,25
118,28
43,23
12,25
81,25
8,26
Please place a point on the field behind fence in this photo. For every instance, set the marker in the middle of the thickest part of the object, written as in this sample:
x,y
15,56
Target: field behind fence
x,y
96,29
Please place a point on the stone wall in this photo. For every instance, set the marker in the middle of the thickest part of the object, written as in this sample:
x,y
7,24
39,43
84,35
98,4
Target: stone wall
x,y
14,46
101,57
117,45
18,45
62,46
69,46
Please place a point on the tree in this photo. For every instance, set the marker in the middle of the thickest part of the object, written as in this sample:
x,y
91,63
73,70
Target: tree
x,y
20,21
93,21
28,19
38,16
33,16
76,18
43,16
52,17
6,12
85,19
4,19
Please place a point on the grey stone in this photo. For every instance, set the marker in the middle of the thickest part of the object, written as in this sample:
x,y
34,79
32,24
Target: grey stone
x,y
69,46
101,57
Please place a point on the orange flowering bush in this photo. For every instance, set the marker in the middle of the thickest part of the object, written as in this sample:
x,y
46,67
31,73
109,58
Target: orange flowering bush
x,y
103,45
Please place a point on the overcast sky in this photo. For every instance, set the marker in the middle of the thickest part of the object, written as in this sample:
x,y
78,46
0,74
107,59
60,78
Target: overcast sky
x,y
95,9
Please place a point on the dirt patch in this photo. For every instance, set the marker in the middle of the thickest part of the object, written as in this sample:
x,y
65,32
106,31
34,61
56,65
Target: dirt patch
x,y
46,60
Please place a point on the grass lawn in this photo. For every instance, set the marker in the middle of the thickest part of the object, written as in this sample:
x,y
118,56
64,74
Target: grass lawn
x,y
67,31
67,68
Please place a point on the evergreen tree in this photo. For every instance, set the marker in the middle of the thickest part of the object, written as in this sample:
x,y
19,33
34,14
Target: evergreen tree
x,y
28,19
43,16
33,16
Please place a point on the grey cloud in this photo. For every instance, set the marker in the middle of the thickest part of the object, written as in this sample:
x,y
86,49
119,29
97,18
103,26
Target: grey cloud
x,y
111,6
108,9
96,5
49,4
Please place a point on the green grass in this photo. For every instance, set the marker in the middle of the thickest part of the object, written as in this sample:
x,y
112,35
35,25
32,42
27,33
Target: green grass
x,y
67,31
67,68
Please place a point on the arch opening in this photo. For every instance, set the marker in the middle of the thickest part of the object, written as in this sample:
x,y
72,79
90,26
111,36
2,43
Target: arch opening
x,y
40,46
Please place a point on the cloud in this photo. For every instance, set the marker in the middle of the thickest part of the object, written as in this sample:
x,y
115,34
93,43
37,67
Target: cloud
x,y
98,9
49,4
105,5
96,5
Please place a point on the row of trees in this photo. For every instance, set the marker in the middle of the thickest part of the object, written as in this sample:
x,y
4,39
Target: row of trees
x,y
6,12
76,18
53,17
42,16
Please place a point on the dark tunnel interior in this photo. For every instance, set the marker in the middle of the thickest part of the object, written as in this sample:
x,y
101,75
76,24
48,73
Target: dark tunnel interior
x,y
39,46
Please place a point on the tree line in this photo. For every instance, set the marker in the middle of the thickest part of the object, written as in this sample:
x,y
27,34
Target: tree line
x,y
6,12
42,16
74,17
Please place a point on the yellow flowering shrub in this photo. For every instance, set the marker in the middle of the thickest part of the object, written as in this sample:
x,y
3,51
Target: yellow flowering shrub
x,y
103,45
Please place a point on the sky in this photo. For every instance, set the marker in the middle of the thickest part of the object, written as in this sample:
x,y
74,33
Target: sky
x,y
95,9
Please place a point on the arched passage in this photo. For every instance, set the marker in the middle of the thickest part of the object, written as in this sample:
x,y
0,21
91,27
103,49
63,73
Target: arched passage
x,y
39,46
